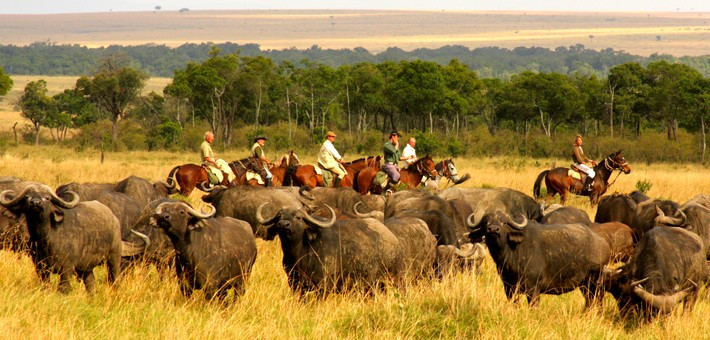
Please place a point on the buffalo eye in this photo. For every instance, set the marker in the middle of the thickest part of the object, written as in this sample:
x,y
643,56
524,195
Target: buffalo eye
x,y
182,212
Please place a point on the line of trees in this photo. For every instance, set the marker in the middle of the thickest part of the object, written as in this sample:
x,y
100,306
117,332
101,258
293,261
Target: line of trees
x,y
229,91
47,58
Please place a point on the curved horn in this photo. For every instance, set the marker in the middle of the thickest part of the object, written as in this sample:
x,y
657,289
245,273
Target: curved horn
x,y
130,249
467,251
662,219
474,219
664,303
315,222
169,184
636,283
59,201
198,214
304,191
203,187
15,201
159,208
520,225
262,220
683,218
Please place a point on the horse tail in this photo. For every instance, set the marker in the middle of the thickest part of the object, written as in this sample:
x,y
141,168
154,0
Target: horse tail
x,y
536,188
355,185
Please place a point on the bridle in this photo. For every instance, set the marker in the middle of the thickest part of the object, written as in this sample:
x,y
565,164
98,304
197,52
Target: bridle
x,y
424,171
614,166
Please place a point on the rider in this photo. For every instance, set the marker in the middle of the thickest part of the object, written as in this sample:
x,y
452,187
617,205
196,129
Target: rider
x,y
409,153
257,150
393,156
580,160
330,159
209,159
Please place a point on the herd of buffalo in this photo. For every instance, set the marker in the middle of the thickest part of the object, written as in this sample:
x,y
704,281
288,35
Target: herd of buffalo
x,y
650,254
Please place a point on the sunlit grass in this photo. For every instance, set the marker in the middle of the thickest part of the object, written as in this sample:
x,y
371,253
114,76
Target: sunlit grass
x,y
147,303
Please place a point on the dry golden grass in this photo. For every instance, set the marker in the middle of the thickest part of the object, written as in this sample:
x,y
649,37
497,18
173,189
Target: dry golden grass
x,y
55,84
147,302
682,33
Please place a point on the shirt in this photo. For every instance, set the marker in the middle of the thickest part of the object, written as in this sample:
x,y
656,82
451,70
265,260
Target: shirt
x,y
578,155
206,151
257,151
392,154
329,146
409,151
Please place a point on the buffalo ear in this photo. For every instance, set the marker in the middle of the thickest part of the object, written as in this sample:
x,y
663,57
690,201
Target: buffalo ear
x,y
516,236
153,221
195,223
311,234
57,215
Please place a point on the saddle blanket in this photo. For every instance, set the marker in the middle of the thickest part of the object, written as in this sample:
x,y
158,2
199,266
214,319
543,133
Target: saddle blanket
x,y
253,175
381,179
574,174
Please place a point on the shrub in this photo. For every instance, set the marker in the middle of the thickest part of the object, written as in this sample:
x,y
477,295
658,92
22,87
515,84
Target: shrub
x,y
643,185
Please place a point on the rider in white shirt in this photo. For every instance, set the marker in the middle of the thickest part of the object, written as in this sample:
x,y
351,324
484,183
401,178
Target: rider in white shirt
x,y
409,154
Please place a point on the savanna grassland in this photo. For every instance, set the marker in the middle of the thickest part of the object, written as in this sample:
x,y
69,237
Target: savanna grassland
x,y
675,33
147,302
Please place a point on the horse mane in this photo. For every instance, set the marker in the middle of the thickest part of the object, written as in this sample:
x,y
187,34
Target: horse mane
x,y
421,159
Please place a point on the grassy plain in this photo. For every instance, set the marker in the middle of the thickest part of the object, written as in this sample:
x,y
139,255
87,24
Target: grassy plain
x,y
147,303
676,33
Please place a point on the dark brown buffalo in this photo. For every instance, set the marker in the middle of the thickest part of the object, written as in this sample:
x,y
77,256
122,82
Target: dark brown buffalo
x,y
700,199
213,254
485,201
620,238
638,196
143,191
440,225
327,256
456,210
667,268
646,213
418,245
124,207
86,191
534,259
13,226
616,208
343,199
67,238
160,252
566,215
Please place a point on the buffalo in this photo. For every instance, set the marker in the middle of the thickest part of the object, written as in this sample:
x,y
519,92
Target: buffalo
x,y
692,217
534,259
241,202
620,238
667,266
333,255
700,199
455,209
85,191
67,237
616,208
440,225
565,215
213,254
646,213
418,245
160,251
484,200
343,199
143,191
13,226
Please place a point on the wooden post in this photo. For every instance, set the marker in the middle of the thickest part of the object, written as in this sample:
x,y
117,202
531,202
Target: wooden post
x,y
14,130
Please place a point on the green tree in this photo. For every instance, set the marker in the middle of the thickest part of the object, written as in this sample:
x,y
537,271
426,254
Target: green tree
x,y
625,88
5,83
417,90
113,88
36,105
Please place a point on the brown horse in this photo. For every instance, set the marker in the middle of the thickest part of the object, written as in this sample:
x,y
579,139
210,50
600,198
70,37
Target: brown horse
x,y
188,176
306,174
558,181
411,176
286,169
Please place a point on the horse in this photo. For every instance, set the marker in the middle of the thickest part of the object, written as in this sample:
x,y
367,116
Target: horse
x,y
447,169
284,173
411,176
188,176
305,175
558,181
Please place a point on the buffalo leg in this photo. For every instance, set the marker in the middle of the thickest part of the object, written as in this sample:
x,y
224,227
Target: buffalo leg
x,y
510,291
114,266
533,299
64,281
689,303
89,280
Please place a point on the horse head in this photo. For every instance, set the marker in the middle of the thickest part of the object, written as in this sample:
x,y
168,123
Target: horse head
x,y
446,168
293,159
426,166
618,161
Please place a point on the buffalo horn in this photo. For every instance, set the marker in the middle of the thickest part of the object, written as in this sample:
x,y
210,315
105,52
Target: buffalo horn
x,y
664,303
362,215
304,191
520,225
13,202
468,251
474,219
264,221
169,184
204,188
131,249
198,214
662,219
315,222
636,283
61,202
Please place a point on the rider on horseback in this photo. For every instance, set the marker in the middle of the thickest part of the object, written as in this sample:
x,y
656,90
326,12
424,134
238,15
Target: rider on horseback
x,y
257,150
208,158
393,156
580,160
330,159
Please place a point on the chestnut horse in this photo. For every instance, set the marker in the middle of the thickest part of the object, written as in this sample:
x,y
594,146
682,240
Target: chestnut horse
x,y
558,181
188,176
411,176
306,174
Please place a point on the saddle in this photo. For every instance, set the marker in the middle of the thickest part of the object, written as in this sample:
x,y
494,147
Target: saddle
x,y
214,175
575,173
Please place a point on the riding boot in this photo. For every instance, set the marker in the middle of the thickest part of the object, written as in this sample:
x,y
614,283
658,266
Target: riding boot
x,y
588,184
267,182
336,182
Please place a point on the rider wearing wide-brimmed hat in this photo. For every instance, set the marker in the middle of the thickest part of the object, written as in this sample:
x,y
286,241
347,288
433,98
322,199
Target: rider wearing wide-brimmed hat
x,y
257,150
329,158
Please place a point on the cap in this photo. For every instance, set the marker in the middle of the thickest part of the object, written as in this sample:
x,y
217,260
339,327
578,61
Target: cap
x,y
395,132
260,137
330,134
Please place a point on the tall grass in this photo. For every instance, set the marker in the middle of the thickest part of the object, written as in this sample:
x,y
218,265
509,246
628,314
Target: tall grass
x,y
147,303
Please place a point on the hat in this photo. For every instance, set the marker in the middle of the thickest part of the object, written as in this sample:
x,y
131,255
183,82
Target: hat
x,y
260,137
330,134
395,132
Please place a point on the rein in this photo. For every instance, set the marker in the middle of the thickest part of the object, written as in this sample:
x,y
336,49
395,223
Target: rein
x,y
611,168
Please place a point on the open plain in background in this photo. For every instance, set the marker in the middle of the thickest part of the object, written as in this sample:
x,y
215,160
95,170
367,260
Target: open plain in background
x,y
147,302
675,33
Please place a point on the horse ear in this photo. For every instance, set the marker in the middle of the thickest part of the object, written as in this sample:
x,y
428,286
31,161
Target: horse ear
x,y
618,152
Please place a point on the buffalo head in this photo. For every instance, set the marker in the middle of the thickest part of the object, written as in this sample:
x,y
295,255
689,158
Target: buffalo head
x,y
177,218
496,226
294,223
38,200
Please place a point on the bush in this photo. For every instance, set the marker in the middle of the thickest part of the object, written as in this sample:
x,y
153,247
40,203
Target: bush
x,y
166,135
643,186
427,143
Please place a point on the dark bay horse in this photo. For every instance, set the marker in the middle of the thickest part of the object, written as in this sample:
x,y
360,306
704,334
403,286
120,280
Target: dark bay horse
x,y
411,176
558,181
306,174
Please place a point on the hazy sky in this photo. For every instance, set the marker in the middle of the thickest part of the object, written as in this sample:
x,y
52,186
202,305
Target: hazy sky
x,y
73,6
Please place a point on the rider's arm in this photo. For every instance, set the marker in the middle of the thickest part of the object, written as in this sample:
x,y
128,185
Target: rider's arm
x,y
331,149
389,148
